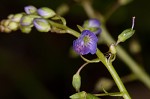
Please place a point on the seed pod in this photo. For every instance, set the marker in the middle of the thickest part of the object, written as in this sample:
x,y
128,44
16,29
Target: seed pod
x,y
126,34
76,81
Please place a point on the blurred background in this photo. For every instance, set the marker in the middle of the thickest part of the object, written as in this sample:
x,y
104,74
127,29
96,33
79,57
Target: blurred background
x,y
39,66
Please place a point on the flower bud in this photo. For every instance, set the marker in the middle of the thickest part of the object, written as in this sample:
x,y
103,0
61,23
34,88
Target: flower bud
x,y
5,22
79,95
104,84
7,30
30,9
13,26
124,2
93,25
26,20
17,17
112,49
25,29
76,81
10,16
46,12
41,25
125,35
2,28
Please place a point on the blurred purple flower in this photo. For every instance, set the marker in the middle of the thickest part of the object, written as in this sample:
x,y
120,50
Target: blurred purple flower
x,y
86,43
92,25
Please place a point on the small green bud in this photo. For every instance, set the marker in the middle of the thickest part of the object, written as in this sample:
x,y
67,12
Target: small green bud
x,y
46,12
25,29
41,25
126,34
13,26
124,2
79,95
134,46
112,49
5,22
7,30
17,17
91,96
26,20
76,81
2,28
104,84
10,16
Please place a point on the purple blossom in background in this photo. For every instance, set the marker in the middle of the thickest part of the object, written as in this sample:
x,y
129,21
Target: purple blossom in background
x,y
86,43
92,25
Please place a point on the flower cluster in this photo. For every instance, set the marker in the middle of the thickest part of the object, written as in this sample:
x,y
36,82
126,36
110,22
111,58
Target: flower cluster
x,y
26,20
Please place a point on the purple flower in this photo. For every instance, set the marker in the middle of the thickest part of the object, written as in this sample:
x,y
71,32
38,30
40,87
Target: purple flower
x,y
92,25
86,43
30,9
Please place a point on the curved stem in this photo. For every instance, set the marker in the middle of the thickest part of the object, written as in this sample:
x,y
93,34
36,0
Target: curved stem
x,y
78,72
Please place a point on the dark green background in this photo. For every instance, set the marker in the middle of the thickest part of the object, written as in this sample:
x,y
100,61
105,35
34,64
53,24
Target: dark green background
x,y
38,65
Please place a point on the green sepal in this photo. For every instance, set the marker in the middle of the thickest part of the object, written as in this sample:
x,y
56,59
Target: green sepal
x,y
57,17
80,28
79,95
83,95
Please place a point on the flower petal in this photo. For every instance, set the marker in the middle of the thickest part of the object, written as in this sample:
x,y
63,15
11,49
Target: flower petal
x,y
82,46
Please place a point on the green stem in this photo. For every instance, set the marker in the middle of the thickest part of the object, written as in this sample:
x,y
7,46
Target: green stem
x,y
68,30
113,73
110,94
